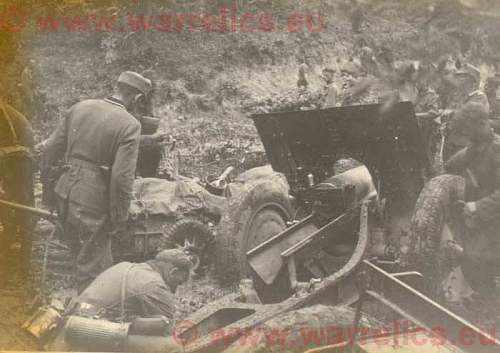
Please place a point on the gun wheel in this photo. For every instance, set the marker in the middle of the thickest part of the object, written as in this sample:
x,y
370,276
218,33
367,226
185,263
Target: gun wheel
x,y
192,236
433,214
260,211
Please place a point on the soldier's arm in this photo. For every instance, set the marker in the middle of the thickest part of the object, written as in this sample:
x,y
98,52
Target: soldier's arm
x,y
488,208
459,161
148,141
55,146
123,173
154,140
158,301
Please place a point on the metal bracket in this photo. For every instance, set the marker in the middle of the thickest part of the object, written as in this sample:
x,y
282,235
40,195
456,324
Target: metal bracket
x,y
426,313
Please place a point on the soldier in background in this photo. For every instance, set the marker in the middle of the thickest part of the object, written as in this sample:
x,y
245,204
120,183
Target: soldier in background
x,y
458,81
302,83
16,180
480,160
492,92
331,91
356,16
461,86
99,143
150,149
369,63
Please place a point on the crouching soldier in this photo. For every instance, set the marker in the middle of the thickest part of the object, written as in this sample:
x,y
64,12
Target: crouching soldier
x,y
480,163
128,290
127,300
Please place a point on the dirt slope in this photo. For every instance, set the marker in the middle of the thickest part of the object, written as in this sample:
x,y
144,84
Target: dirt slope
x,y
208,82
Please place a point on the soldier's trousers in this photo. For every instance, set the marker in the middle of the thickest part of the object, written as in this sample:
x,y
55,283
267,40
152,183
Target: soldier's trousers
x,y
90,246
482,259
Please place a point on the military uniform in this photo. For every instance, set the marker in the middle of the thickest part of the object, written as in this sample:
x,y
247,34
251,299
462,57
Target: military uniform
x,y
150,151
454,144
140,287
485,166
99,142
495,107
331,99
428,100
16,177
483,246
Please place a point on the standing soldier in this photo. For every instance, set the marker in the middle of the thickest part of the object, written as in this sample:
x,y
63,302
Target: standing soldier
x,y
16,182
302,77
331,91
150,151
492,92
150,147
99,142
356,16
480,160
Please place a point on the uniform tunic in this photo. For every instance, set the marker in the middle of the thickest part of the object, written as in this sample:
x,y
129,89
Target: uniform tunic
x,y
150,151
331,99
99,141
482,247
485,166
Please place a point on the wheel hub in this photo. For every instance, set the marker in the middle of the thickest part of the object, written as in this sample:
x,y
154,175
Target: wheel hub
x,y
194,246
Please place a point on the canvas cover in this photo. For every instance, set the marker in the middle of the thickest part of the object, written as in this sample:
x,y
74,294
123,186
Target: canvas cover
x,y
154,196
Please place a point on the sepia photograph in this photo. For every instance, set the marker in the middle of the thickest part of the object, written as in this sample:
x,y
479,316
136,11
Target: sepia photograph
x,y
240,176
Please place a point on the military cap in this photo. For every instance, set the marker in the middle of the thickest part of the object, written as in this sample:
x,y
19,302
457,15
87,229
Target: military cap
x,y
135,80
176,257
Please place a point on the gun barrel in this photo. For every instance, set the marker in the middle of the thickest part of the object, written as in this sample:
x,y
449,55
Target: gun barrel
x,y
35,211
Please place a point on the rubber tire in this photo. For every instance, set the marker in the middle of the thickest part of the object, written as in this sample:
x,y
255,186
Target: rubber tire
x,y
260,200
433,211
175,234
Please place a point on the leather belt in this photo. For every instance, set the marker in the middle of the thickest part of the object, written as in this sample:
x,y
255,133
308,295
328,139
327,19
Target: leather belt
x,y
87,164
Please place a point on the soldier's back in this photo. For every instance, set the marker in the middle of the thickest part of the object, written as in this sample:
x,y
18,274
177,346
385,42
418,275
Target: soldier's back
x,y
141,280
96,128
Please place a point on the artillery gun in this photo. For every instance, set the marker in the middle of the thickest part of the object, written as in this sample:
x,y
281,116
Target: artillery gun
x,y
355,242
376,197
